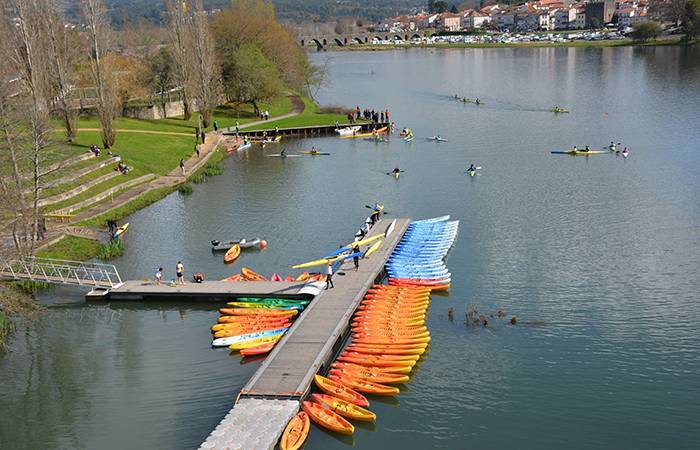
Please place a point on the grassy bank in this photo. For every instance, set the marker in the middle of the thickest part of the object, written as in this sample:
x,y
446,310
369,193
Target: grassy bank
x,y
128,208
5,328
311,116
72,248
609,43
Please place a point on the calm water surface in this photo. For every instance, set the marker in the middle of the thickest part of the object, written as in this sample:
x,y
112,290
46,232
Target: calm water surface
x,y
598,257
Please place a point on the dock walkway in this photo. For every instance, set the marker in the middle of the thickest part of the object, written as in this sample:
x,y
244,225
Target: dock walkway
x,y
305,350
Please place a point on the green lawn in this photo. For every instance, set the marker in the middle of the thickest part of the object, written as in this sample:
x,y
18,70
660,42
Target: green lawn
x,y
71,248
309,117
128,208
74,183
226,115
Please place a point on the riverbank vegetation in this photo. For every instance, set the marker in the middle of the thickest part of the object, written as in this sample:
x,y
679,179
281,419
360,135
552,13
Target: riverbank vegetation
x,y
72,248
111,250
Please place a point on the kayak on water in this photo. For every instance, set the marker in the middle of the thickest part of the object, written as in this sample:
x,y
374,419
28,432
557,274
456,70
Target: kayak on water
x,y
559,110
579,152
315,153
217,246
120,231
437,139
280,155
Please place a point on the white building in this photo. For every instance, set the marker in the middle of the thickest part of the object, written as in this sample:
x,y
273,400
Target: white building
x,y
564,18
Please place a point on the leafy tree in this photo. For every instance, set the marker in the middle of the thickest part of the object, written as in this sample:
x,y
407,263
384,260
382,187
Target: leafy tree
x,y
453,9
437,7
691,19
162,76
250,77
595,23
644,31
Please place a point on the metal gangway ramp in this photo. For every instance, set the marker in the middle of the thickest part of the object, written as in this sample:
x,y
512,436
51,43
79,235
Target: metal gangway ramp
x,y
58,271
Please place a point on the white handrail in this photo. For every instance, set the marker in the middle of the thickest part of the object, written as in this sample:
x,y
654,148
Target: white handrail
x,y
61,271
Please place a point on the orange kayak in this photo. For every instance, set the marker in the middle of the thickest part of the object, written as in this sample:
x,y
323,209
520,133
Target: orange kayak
x,y
253,329
289,279
388,322
343,408
228,321
232,253
388,307
303,277
390,341
366,387
384,357
385,352
386,378
296,432
327,418
391,334
370,327
373,369
269,312
252,276
258,350
394,346
367,360
236,277
341,391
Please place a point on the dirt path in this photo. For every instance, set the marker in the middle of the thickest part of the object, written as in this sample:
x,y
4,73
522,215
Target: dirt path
x,y
298,107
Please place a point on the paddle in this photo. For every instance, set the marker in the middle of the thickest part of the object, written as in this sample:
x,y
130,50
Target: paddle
x,y
477,168
393,173
371,207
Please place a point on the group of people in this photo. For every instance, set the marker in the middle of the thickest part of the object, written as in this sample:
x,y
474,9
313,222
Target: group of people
x,y
355,249
122,168
264,115
616,148
468,100
180,274
372,115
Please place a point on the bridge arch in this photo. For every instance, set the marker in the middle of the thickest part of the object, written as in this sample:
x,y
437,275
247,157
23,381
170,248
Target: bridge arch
x,y
338,41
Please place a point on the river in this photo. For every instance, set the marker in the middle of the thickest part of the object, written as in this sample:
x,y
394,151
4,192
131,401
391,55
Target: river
x,y
597,257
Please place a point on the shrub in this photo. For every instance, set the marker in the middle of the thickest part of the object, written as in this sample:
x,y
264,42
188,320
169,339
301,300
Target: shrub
x,y
111,250
644,31
185,189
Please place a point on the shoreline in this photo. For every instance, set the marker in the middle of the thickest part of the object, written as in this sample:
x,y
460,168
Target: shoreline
x,y
447,45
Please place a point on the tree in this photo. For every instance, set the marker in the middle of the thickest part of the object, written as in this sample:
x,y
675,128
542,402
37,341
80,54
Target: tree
x,y
253,22
206,75
162,76
453,9
668,10
595,23
27,48
250,77
96,19
691,19
178,32
62,56
437,7
644,31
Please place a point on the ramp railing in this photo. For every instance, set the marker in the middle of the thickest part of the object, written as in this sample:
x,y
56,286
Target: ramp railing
x,y
60,271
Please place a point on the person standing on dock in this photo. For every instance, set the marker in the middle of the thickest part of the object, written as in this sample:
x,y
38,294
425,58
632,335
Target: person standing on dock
x,y
159,276
386,115
329,275
180,272
356,258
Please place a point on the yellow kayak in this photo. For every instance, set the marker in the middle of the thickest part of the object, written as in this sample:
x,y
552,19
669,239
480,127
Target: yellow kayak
x,y
255,342
370,134
373,248
121,230
319,262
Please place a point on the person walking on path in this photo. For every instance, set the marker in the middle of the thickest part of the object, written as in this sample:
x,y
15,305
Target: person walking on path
x,y
356,258
237,126
180,272
216,126
203,135
182,166
329,275
196,134
196,149
159,276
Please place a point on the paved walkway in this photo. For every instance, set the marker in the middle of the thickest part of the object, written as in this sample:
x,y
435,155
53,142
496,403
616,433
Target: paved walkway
x,y
298,107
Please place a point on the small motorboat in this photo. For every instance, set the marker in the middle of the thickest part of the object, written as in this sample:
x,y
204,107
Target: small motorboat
x,y
219,246
348,131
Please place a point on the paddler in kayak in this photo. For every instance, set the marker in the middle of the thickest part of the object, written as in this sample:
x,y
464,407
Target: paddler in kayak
x,y
396,173
471,169
612,146
575,149
625,152
587,149
282,153
478,102
313,151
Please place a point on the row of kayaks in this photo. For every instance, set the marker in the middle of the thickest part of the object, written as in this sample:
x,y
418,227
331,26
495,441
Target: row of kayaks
x,y
418,259
388,338
248,274
254,325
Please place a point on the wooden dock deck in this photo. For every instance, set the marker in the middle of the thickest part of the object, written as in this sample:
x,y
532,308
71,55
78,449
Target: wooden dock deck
x,y
320,331
211,290
320,130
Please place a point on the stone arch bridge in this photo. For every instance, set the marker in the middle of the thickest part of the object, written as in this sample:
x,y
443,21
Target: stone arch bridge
x,y
322,41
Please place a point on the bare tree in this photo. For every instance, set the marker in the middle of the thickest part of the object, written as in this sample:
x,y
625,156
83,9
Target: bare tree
x,y
98,30
178,32
207,72
27,56
62,57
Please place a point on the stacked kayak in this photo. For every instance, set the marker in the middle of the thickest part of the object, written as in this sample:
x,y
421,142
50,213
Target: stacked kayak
x,y
418,259
249,275
388,338
254,325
